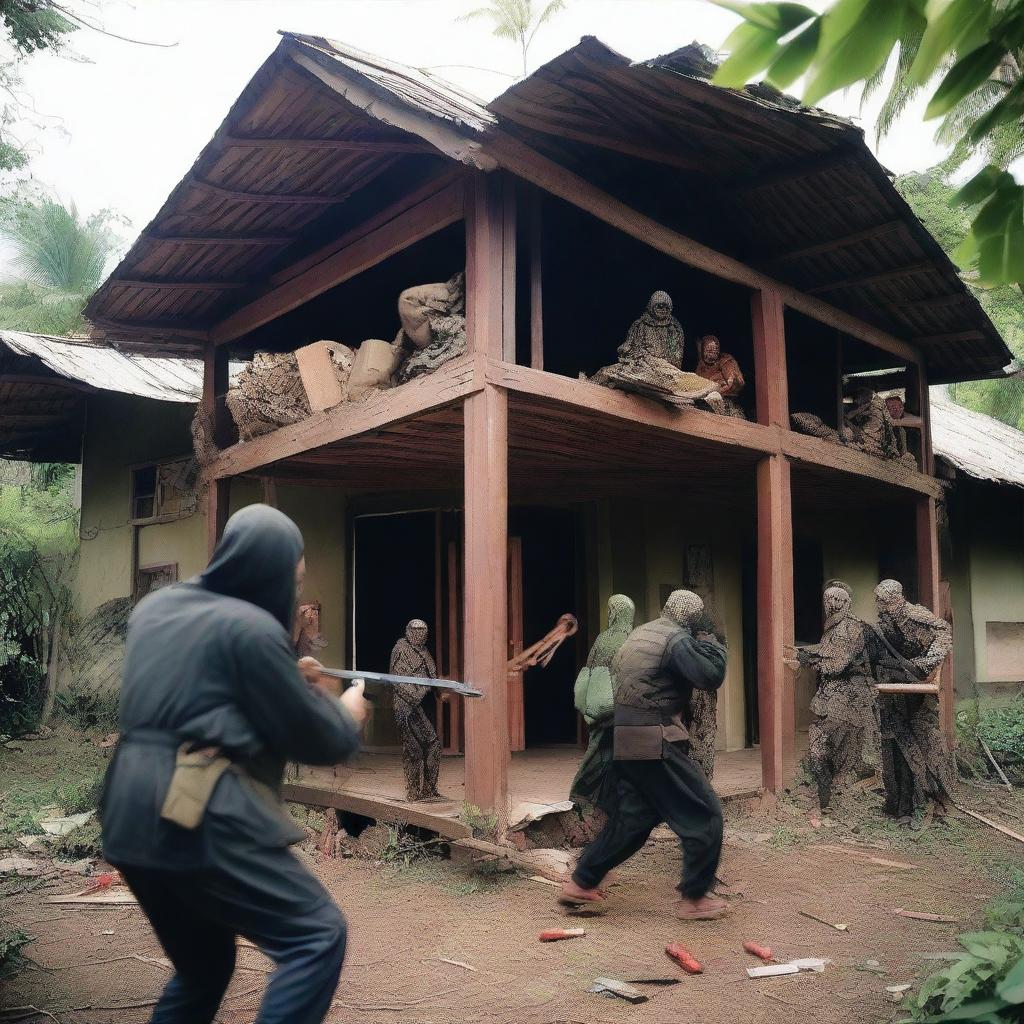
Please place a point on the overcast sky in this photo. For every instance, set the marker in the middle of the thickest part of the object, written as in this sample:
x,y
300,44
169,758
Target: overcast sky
x,y
127,125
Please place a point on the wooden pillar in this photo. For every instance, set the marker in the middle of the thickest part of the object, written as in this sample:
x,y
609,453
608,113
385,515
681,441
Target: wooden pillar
x,y
485,602
215,386
509,197
536,278
485,516
775,680
928,586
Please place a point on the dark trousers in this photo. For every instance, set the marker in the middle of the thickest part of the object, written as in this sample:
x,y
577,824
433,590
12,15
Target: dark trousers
x,y
197,915
640,795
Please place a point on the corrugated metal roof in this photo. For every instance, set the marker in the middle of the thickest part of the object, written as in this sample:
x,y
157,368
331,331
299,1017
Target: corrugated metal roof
x,y
166,380
976,444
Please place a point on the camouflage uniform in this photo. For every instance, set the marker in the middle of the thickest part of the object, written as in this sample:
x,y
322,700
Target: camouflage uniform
x,y
910,646
595,702
421,749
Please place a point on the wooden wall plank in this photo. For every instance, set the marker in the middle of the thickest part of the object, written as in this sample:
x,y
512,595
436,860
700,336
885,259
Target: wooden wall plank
x,y
770,373
775,627
536,280
485,605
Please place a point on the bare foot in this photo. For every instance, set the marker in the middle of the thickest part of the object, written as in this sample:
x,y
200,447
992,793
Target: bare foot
x,y
705,908
573,894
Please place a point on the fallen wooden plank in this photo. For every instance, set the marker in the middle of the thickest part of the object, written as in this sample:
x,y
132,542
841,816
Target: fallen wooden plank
x,y
113,898
870,858
1005,829
916,915
995,763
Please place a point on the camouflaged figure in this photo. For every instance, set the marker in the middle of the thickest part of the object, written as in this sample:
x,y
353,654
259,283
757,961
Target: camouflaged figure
x,y
910,645
844,702
702,716
434,324
724,372
594,698
421,749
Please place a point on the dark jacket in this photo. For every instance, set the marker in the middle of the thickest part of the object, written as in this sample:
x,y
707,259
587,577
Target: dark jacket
x,y
211,660
655,671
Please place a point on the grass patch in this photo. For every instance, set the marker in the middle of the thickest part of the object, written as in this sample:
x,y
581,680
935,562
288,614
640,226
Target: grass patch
x,y
12,942
483,823
87,708
783,837
84,841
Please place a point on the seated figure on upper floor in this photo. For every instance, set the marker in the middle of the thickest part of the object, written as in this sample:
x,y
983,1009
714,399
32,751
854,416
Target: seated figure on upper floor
x,y
433,326
651,358
724,372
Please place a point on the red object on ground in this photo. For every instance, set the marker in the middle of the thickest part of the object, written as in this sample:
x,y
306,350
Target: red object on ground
x,y
556,934
759,951
684,958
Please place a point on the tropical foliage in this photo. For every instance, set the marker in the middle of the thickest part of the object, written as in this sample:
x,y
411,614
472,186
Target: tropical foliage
x,y
59,258
971,48
930,195
518,21
38,546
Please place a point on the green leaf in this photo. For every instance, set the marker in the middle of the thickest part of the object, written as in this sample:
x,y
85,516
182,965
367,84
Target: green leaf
x,y
1001,257
796,56
959,26
752,48
779,18
964,77
974,1011
857,37
980,187
997,215
1009,108
1011,988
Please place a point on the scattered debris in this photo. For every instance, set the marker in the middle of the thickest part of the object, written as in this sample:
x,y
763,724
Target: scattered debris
x,y
76,867
524,813
456,963
813,963
684,958
557,934
869,859
919,916
552,864
872,967
109,740
19,866
1005,829
995,764
772,970
815,821
612,988
762,952
897,992
654,981
34,844
544,881
106,890
821,920
62,826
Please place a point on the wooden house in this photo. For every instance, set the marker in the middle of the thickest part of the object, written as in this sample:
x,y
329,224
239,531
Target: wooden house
x,y
502,489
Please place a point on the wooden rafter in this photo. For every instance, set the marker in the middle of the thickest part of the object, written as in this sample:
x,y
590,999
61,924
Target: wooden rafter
x,y
370,146
831,244
257,240
153,327
790,170
178,283
422,220
873,277
240,195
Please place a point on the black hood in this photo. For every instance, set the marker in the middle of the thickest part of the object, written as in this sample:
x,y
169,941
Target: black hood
x,y
255,561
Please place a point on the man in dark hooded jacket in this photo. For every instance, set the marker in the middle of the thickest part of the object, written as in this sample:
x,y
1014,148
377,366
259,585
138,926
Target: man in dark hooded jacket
x,y
213,704
652,779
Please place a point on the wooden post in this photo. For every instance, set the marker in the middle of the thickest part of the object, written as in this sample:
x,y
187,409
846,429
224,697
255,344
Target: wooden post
x,y
215,386
485,603
536,278
485,518
928,587
509,196
775,680
770,377
775,628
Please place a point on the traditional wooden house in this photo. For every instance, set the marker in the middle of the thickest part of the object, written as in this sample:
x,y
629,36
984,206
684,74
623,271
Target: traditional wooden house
x,y
503,488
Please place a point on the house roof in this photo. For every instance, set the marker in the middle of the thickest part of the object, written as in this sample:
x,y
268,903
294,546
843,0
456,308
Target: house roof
x,y
976,444
790,190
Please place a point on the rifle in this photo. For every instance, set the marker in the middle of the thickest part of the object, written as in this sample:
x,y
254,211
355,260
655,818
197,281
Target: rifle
x,y
388,679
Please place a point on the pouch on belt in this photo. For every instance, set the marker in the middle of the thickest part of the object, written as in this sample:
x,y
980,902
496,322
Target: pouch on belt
x,y
196,774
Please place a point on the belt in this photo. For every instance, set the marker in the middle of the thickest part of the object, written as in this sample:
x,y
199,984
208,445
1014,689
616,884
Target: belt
x,y
152,738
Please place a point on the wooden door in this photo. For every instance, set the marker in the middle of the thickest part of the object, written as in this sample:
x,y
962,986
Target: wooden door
x,y
516,702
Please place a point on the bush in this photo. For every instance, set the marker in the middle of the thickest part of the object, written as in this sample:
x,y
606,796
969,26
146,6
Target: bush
x,y
12,942
88,708
1001,726
84,841
484,825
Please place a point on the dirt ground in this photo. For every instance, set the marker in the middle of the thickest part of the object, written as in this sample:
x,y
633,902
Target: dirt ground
x,y
407,920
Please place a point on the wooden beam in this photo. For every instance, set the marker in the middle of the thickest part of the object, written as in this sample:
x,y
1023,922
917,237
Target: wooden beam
x,y
218,500
485,605
256,240
536,279
559,181
179,284
215,388
328,145
508,268
415,224
928,583
775,625
444,387
154,327
873,277
770,373
389,213
931,302
831,244
792,170
942,339
291,199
